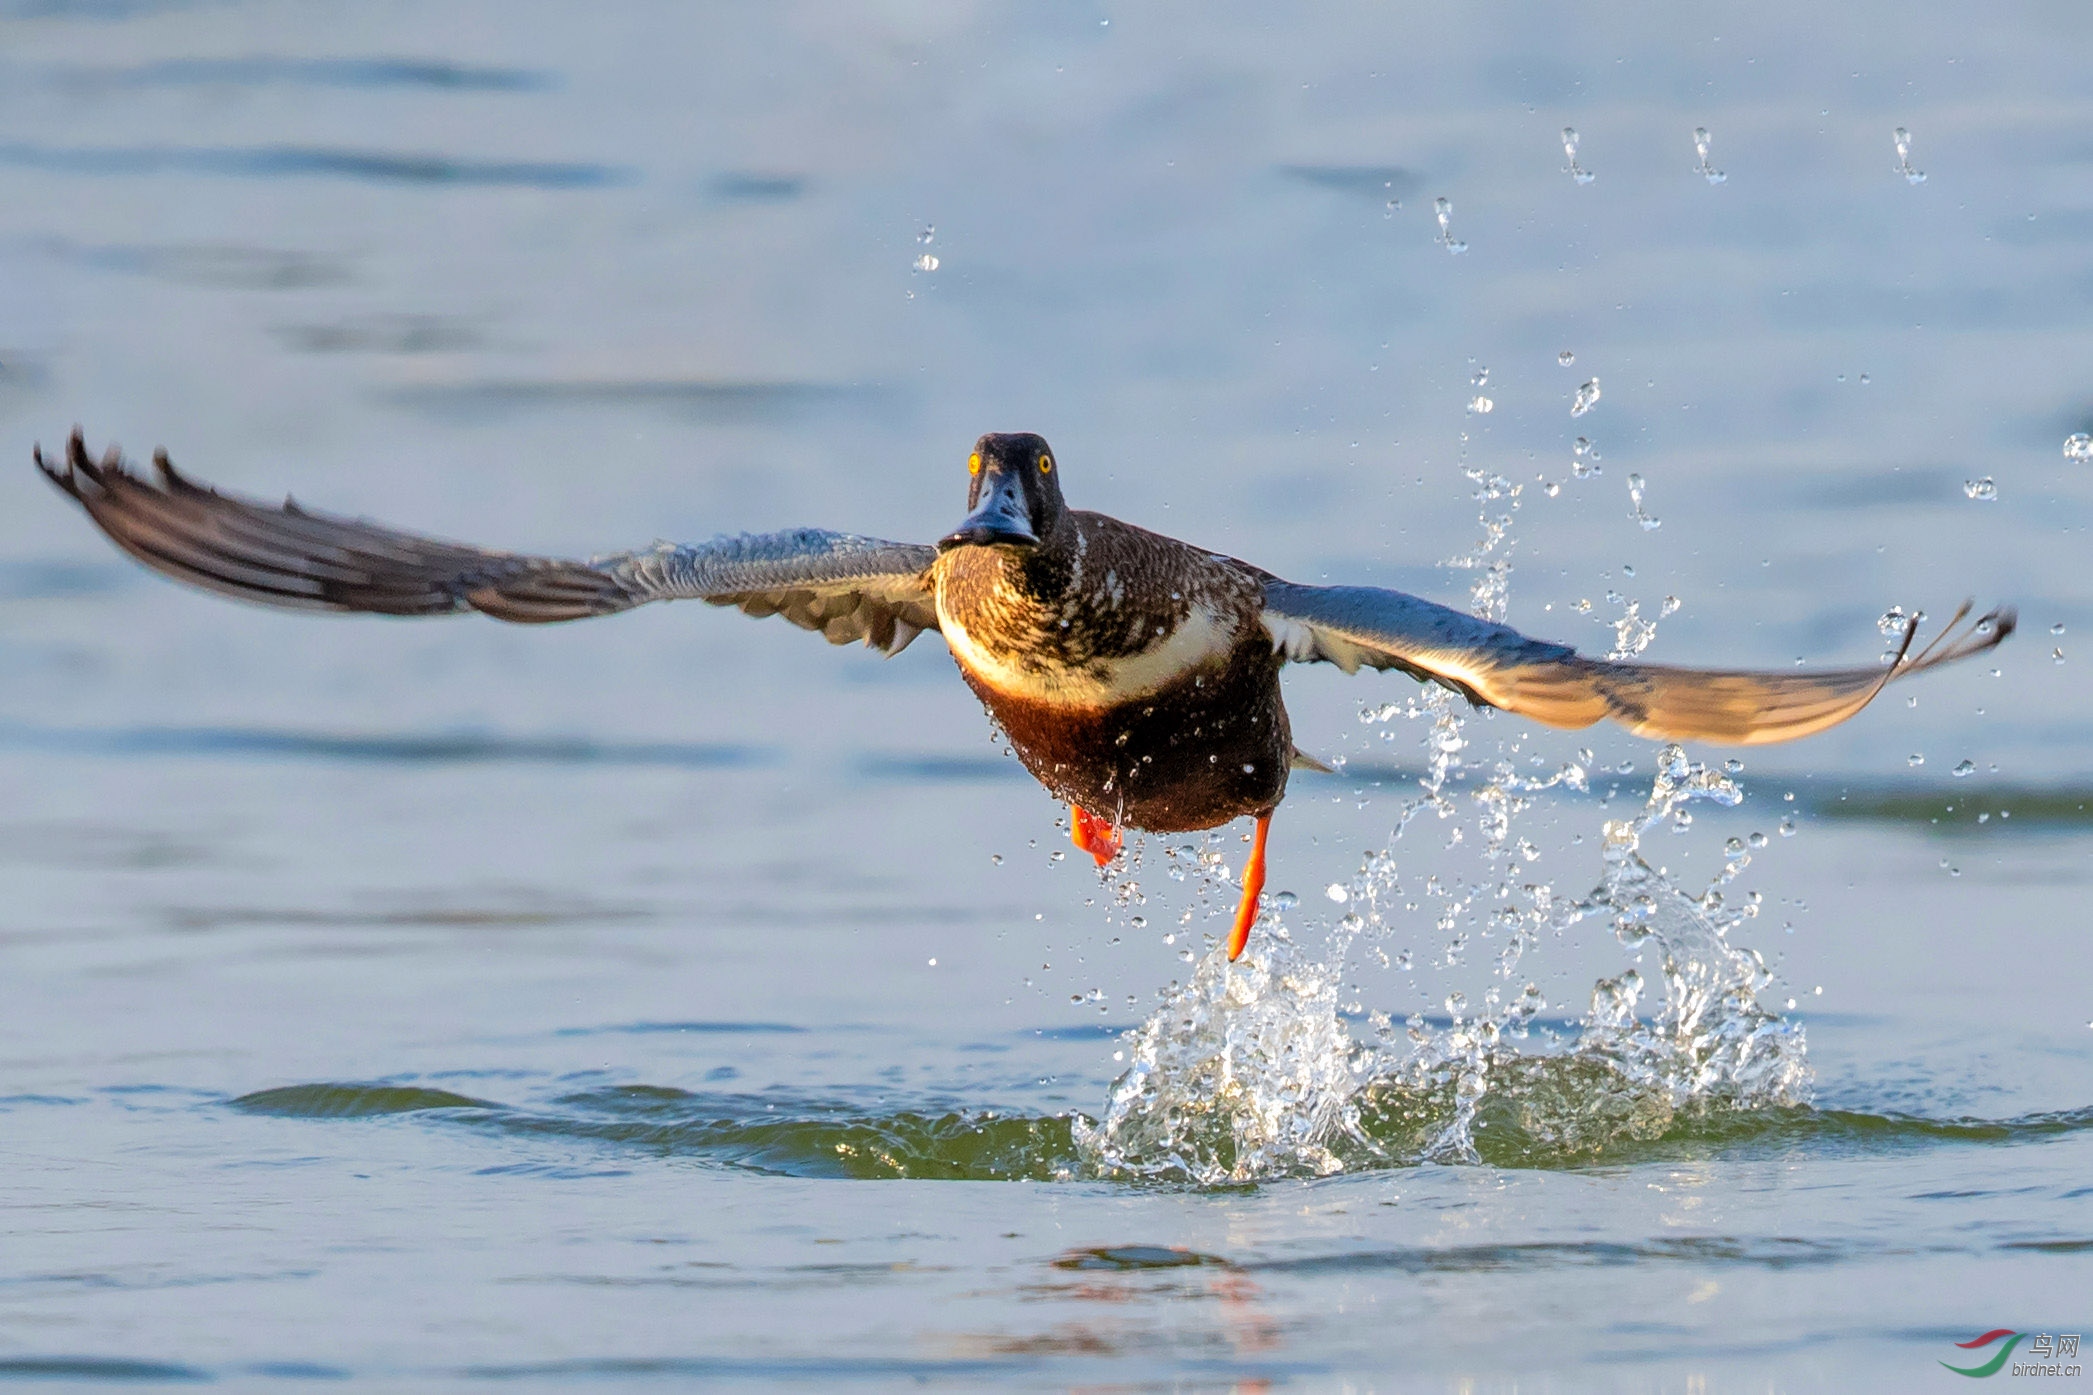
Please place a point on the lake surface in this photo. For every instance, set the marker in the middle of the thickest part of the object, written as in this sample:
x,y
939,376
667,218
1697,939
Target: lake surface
x,y
673,1000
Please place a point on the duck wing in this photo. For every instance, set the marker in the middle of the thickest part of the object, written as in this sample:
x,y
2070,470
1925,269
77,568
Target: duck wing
x,y
1495,666
847,587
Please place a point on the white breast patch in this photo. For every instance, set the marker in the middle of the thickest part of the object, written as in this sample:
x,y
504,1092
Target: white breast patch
x,y
1203,637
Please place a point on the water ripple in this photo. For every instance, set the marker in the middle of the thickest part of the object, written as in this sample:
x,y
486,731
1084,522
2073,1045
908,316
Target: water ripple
x,y
414,748
294,161
312,72
781,1133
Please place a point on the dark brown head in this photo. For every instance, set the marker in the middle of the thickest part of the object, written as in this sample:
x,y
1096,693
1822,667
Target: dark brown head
x,y
1015,497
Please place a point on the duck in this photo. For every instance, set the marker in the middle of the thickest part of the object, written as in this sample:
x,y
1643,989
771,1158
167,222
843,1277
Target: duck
x,y
1136,677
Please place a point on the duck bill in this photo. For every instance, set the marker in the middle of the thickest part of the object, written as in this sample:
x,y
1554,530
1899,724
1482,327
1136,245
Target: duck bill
x,y
1000,516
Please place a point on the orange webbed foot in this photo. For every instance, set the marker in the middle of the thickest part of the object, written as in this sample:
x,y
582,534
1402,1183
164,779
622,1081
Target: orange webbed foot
x,y
1253,890
1093,835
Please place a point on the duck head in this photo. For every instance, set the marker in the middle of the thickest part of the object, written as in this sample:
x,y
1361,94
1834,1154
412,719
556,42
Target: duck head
x,y
1014,499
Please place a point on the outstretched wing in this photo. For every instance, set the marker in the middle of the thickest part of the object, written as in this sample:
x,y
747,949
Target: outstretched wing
x,y
1496,666
847,587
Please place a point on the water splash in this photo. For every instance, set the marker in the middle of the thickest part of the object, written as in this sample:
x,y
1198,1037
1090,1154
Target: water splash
x,y
1497,500
1911,176
1443,208
1246,1072
1256,1070
1644,519
1251,1071
1587,398
1569,151
1480,405
1711,1043
1701,146
2078,447
1632,630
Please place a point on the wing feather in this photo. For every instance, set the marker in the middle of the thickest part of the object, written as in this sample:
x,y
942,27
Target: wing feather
x,y
1496,666
847,587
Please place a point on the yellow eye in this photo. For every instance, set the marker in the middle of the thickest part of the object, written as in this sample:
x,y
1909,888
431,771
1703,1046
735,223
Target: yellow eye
x,y
974,463
1046,464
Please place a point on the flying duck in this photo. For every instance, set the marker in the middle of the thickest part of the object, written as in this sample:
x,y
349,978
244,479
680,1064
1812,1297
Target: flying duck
x,y
1136,676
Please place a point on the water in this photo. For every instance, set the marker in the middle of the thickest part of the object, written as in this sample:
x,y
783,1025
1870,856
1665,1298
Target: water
x,y
1701,144
1570,139
1442,209
1904,167
673,999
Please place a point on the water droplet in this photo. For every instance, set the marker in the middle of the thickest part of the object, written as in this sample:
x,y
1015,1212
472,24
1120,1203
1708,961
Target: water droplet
x,y
1893,622
1911,176
1480,377
933,963
1569,152
1757,840
1787,829
1443,208
1587,398
1584,458
1566,358
2056,656
1915,759
1337,892
1285,901
2057,628
1644,519
928,235
995,859
1480,405
1984,490
1963,768
1705,170
926,262
2078,446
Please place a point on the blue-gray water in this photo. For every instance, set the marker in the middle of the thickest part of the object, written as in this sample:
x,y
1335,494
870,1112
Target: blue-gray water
x,y
446,1005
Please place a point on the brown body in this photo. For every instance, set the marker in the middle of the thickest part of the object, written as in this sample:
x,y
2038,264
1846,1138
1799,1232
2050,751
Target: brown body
x,y
1153,705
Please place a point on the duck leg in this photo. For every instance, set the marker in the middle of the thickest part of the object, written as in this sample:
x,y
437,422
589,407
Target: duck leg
x,y
1092,834
1253,889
